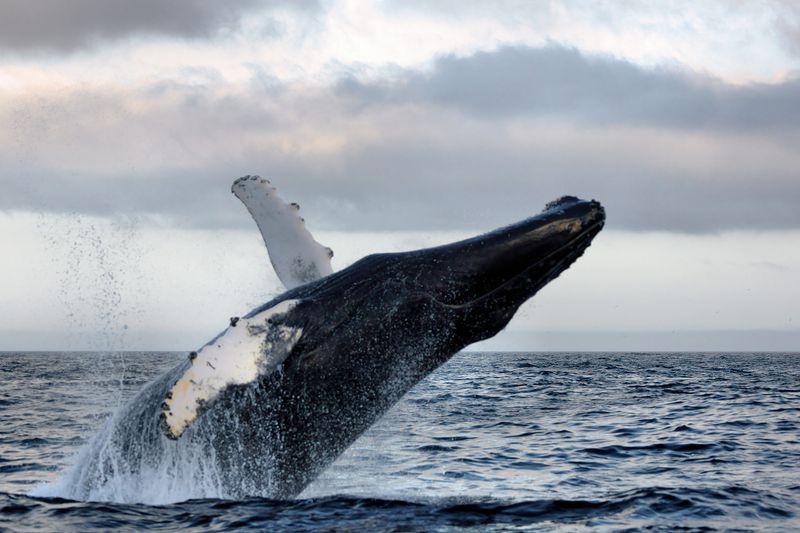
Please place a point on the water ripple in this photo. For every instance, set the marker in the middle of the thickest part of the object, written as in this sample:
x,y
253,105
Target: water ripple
x,y
541,441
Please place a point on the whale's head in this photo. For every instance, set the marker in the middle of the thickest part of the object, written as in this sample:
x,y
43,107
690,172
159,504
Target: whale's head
x,y
473,286
488,277
338,351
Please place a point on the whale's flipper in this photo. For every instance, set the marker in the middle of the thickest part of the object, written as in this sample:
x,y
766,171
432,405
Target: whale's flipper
x,y
249,348
293,252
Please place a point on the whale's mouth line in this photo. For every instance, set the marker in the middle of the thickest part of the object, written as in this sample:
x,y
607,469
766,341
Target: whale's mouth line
x,y
576,246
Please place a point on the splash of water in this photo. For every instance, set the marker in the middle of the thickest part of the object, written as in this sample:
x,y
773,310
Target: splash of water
x,y
130,460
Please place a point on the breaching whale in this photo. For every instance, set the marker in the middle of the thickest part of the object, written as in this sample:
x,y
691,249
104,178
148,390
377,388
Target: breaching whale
x,y
326,359
271,401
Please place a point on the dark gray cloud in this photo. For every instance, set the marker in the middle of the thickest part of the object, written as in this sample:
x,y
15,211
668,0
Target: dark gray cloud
x,y
415,183
64,26
415,153
556,82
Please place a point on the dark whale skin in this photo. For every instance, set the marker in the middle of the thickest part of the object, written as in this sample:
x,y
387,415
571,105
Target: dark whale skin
x,y
375,329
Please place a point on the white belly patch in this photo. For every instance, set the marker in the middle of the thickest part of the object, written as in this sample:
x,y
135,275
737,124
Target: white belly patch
x,y
249,348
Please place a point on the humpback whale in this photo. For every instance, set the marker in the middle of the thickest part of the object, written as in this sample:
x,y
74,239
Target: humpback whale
x,y
327,358
273,399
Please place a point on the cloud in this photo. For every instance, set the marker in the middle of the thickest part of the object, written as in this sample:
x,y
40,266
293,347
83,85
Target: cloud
x,y
58,26
441,149
555,82
789,30
786,20
174,153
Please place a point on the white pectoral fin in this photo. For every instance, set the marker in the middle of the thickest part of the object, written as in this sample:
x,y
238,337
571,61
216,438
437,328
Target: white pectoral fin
x,y
249,348
293,252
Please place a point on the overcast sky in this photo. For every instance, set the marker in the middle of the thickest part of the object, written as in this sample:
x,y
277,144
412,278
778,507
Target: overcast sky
x,y
395,125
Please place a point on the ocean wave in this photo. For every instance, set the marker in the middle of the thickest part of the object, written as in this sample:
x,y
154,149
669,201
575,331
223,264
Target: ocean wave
x,y
661,507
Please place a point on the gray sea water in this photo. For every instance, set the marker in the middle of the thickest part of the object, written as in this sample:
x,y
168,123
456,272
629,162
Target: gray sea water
x,y
489,442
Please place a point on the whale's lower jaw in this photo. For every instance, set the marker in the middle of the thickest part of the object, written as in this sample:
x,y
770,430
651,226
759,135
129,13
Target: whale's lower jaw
x,y
370,333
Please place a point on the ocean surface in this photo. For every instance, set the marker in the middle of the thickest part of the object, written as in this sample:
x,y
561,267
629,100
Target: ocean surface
x,y
489,442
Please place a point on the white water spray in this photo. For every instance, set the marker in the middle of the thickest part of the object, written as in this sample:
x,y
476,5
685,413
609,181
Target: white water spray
x,y
130,460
